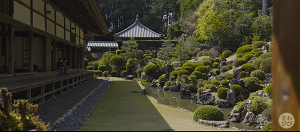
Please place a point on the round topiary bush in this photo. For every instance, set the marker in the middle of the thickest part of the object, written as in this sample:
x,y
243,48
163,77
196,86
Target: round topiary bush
x,y
168,84
216,60
208,112
243,49
239,62
243,74
265,65
89,68
222,93
213,88
202,69
215,52
206,62
247,57
197,64
199,75
229,76
183,72
195,51
257,62
102,67
192,88
254,50
217,71
105,74
258,53
215,65
226,53
113,73
258,44
248,67
251,83
224,83
237,89
188,64
268,90
139,72
162,78
206,53
215,82
258,105
98,73
188,68
258,74
223,63
174,73
224,69
124,73
229,66
240,55
267,126
151,70
200,53
266,55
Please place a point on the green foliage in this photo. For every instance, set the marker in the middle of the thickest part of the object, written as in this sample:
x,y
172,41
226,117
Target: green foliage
x,y
215,82
190,64
224,83
259,74
18,116
258,105
139,72
266,64
162,78
217,71
117,60
222,93
86,62
224,69
267,126
206,63
229,66
89,68
98,73
244,49
151,70
258,53
213,88
124,73
183,72
174,73
199,75
243,74
271,49
247,57
258,44
226,53
188,68
208,112
248,67
237,89
202,69
206,53
215,65
251,83
197,64
239,62
218,76
268,90
229,76
168,84
118,52
192,88
113,73
102,67
223,63
217,60
266,55
257,62
262,26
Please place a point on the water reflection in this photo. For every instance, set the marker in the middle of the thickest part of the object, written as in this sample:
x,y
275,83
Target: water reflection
x,y
172,98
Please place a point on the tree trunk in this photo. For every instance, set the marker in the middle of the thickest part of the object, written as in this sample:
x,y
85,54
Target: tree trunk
x,y
265,7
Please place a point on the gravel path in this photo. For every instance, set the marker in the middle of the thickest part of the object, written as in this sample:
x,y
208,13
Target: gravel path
x,y
53,109
73,122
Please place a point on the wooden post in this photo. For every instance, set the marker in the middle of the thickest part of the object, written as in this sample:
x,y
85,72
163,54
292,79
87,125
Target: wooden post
x,y
64,54
30,52
82,58
47,54
70,57
10,49
54,55
286,65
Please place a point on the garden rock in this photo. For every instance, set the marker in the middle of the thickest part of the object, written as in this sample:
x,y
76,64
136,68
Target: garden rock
x,y
222,103
230,97
234,116
185,94
261,94
162,84
174,89
250,119
153,84
203,98
229,62
245,110
173,78
268,77
237,81
217,124
261,119
166,88
222,59
222,77
237,71
239,98
215,52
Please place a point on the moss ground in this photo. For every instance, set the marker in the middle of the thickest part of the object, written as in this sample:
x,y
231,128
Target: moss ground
x,y
121,110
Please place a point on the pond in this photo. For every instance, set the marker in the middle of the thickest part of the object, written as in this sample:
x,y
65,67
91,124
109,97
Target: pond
x,y
172,99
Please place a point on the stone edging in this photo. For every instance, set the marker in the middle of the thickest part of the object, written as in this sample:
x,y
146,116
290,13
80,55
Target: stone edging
x,y
72,110
143,87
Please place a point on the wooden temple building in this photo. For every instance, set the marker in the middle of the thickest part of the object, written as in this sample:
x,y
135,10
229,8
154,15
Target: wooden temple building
x,y
34,34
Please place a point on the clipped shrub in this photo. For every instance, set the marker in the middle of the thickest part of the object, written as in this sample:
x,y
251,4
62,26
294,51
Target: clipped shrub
x,y
206,53
197,64
210,59
199,75
223,63
217,71
215,52
217,60
268,112
257,62
113,73
213,88
151,70
265,65
89,68
86,62
188,64
247,57
207,82
239,62
102,67
215,65
267,126
248,67
168,84
117,60
224,69
243,49
105,73
259,74
118,52
124,73
243,74
226,53
195,51
215,82
162,78
240,55
183,72
258,53
266,55
200,53
206,63
177,68
188,68
237,89
251,83
192,88
208,112
218,76
200,83
258,105
258,44
224,83
222,93
202,69
254,50
229,66
174,73
229,76
139,72
98,73
268,90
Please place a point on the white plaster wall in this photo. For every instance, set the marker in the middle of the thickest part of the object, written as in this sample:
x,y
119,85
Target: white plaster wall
x,y
38,5
38,51
27,2
77,40
49,8
50,27
67,35
67,24
59,19
60,32
18,52
72,26
38,21
81,34
21,13
77,31
81,41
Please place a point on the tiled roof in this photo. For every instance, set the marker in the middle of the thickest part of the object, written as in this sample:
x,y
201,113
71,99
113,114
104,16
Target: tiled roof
x,y
103,44
137,30
87,48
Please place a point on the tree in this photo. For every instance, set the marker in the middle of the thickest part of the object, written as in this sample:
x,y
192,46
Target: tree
x,y
181,52
117,61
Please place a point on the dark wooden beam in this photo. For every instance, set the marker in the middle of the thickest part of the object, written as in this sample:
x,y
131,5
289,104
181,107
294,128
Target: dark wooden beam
x,y
10,49
30,51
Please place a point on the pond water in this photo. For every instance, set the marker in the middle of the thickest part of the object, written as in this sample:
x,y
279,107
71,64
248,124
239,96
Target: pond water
x,y
172,99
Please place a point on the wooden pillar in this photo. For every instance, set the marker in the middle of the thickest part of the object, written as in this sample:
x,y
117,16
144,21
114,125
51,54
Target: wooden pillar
x,y
64,51
70,57
30,52
286,65
54,48
47,54
79,57
10,49
82,58
75,58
